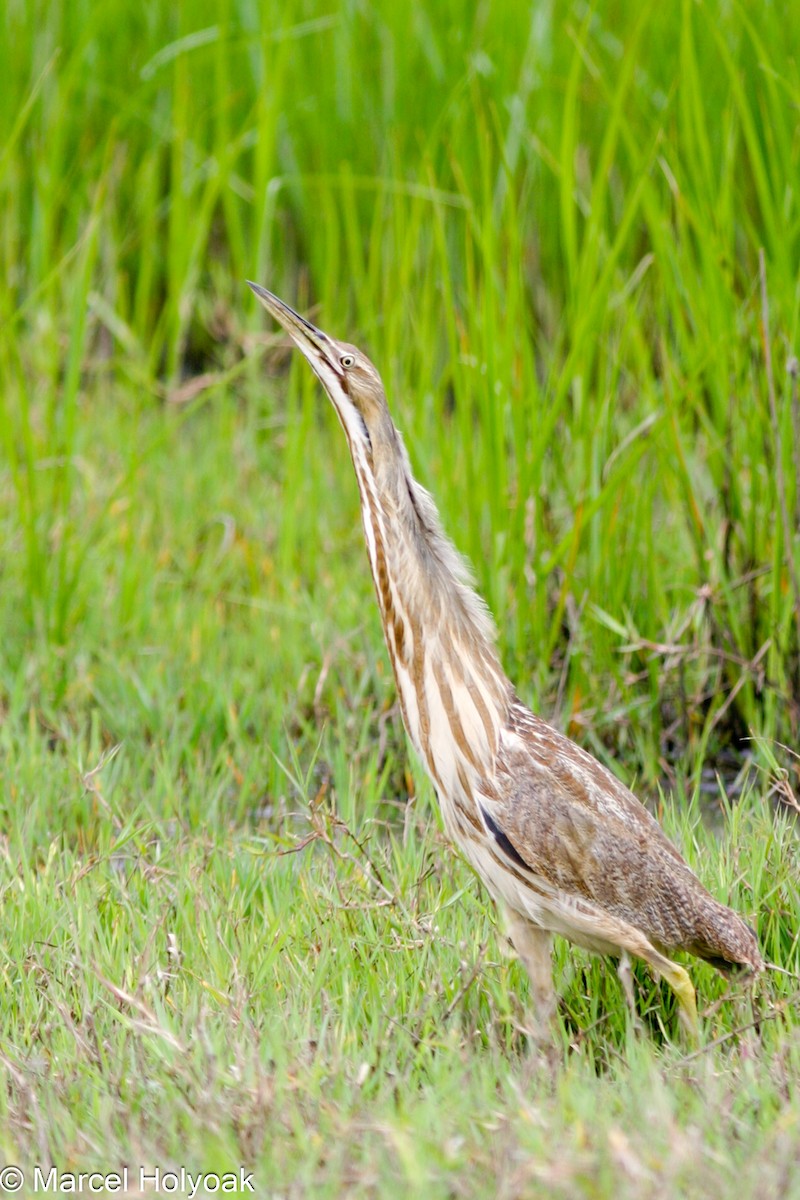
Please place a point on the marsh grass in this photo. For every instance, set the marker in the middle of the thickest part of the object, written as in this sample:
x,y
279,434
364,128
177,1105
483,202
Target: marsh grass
x,y
234,938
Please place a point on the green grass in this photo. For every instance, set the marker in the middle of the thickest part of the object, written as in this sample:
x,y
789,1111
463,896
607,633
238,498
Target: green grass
x,y
545,224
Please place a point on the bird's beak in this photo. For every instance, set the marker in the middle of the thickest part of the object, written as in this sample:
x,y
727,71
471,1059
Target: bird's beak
x,y
312,341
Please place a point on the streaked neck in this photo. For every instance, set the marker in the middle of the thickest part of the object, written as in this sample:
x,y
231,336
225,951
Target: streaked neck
x,y
453,692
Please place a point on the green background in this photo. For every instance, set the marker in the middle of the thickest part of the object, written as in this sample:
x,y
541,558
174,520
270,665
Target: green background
x,y
568,236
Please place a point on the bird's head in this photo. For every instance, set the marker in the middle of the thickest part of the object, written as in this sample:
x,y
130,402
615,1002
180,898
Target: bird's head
x,y
351,381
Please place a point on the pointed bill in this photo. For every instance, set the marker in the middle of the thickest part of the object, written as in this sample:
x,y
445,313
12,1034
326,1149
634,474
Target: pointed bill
x,y
305,335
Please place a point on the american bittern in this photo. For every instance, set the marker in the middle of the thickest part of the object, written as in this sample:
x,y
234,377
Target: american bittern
x,y
562,846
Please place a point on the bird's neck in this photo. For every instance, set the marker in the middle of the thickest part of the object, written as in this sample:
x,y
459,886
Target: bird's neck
x,y
453,692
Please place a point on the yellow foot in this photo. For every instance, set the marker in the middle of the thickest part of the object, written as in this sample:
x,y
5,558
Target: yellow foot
x,y
682,986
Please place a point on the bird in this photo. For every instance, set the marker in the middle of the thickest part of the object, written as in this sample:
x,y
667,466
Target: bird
x,y
561,844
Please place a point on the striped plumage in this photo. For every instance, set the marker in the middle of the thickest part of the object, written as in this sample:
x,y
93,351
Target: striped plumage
x,y
560,843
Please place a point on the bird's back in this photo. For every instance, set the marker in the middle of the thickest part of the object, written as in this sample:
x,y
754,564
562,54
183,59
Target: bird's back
x,y
569,824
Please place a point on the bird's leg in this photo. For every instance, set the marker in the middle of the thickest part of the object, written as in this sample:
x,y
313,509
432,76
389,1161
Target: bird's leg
x,y
532,944
626,979
631,941
678,979
682,986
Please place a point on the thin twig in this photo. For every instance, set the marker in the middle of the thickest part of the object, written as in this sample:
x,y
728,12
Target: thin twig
x,y
462,991
779,1009
740,682
147,1022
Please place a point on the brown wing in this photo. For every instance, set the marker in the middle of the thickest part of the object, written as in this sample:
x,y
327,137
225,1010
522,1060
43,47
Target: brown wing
x,y
574,824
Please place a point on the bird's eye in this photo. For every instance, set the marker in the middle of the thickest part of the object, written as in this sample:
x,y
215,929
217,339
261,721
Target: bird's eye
x,y
347,360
